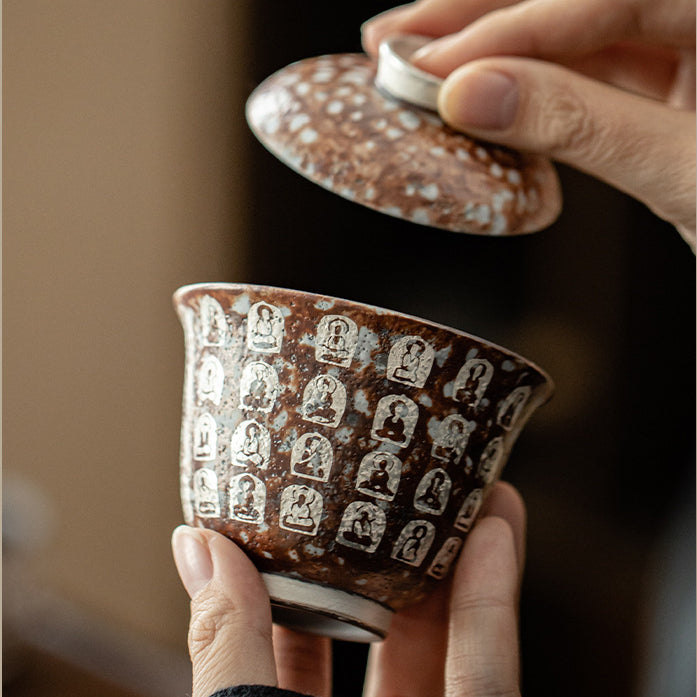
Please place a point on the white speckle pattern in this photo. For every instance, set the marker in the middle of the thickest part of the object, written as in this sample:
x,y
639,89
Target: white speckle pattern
x,y
323,76
272,125
394,158
424,400
298,121
409,120
430,192
361,403
336,106
308,135
421,216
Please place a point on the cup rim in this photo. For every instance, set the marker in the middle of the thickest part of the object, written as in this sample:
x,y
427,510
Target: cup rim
x,y
549,386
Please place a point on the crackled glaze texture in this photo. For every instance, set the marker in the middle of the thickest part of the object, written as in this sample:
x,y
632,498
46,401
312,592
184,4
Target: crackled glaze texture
x,y
325,118
340,443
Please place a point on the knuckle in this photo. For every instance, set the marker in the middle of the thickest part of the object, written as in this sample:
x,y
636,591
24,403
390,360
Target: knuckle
x,y
222,622
566,124
206,623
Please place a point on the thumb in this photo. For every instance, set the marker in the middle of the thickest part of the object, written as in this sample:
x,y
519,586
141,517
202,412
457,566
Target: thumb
x,y
639,145
230,631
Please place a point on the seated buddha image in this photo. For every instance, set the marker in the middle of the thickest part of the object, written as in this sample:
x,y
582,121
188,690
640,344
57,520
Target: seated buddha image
x,y
409,365
361,530
324,400
376,481
468,511
444,559
205,438
250,450
413,543
213,322
334,346
210,380
265,328
206,493
490,459
410,361
512,406
244,505
452,439
300,509
362,526
393,427
309,459
433,491
336,340
472,381
259,386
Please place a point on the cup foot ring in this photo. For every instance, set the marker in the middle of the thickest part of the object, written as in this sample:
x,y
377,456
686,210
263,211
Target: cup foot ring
x,y
316,609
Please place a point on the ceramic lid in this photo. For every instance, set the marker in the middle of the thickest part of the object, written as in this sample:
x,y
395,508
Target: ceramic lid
x,y
383,145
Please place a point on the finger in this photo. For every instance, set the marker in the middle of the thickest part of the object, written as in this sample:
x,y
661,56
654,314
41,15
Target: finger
x,y
650,71
427,18
303,662
400,665
505,502
554,30
482,657
640,146
230,631
409,662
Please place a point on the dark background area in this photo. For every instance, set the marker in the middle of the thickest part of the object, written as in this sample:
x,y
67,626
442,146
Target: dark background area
x,y
603,299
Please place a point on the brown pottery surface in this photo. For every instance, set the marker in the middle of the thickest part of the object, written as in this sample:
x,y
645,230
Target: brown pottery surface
x,y
339,443
325,118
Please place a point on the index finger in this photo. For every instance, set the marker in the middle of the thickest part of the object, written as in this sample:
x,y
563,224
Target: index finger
x,y
428,17
559,30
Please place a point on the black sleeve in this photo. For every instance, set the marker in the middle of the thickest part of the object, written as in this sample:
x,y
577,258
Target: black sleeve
x,y
256,691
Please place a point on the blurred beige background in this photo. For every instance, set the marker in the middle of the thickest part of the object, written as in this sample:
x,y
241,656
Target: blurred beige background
x,y
124,178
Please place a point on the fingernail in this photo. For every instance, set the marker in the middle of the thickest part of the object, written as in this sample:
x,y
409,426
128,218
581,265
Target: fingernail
x,y
192,558
480,99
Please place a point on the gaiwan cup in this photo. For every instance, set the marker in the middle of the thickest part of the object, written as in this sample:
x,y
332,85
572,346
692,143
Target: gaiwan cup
x,y
346,448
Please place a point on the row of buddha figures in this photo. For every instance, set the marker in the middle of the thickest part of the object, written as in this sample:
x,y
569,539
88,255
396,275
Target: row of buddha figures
x,y
362,524
312,456
409,362
324,399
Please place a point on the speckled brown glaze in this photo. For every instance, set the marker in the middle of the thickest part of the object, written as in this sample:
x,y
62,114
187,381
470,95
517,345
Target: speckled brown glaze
x,y
375,355
325,118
